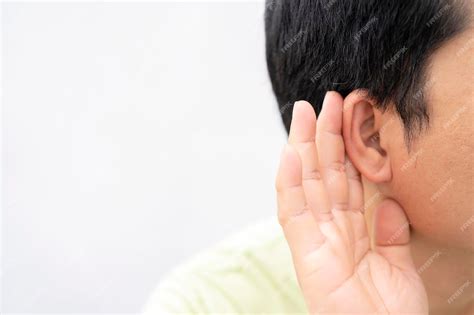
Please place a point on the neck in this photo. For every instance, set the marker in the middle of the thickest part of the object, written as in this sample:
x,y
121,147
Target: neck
x,y
447,275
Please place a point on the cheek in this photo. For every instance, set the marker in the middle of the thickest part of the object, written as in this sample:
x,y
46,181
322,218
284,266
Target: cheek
x,y
434,184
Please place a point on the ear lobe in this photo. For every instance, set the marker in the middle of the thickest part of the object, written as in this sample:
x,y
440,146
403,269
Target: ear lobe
x,y
362,137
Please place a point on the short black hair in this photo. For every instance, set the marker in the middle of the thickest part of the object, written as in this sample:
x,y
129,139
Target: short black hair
x,y
383,47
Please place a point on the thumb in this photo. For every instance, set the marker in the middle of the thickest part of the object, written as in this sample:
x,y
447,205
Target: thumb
x,y
392,234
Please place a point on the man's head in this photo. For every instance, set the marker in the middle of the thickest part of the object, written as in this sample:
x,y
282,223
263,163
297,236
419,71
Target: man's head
x,y
406,72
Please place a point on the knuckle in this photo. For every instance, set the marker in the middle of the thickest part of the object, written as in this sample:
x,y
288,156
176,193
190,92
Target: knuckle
x,y
305,146
354,176
279,187
329,131
286,217
341,206
313,175
282,219
337,166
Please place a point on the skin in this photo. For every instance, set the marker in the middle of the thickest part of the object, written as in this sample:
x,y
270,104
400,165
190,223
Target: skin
x,y
374,227
441,212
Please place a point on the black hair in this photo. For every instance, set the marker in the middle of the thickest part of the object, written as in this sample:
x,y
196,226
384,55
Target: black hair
x,y
383,47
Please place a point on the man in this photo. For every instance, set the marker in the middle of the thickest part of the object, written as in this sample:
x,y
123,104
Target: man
x,y
397,135
375,194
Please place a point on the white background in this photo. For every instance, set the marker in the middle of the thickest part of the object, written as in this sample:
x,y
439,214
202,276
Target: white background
x,y
134,135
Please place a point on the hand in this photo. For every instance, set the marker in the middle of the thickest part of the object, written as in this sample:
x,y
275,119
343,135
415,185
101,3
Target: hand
x,y
320,208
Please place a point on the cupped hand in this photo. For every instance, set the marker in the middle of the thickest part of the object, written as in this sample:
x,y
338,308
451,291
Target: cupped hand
x,y
320,208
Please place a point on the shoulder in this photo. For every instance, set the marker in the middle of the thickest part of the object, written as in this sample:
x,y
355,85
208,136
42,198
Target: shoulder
x,y
250,272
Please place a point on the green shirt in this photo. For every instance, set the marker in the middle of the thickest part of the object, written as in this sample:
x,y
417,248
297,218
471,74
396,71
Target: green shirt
x,y
251,272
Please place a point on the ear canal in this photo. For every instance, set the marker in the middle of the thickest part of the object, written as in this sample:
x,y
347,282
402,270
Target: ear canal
x,y
374,142
370,135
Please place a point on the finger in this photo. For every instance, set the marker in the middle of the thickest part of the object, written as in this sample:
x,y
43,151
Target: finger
x,y
356,209
300,228
356,191
392,234
302,138
331,151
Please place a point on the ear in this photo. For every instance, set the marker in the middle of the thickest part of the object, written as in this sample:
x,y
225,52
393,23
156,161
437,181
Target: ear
x,y
361,127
